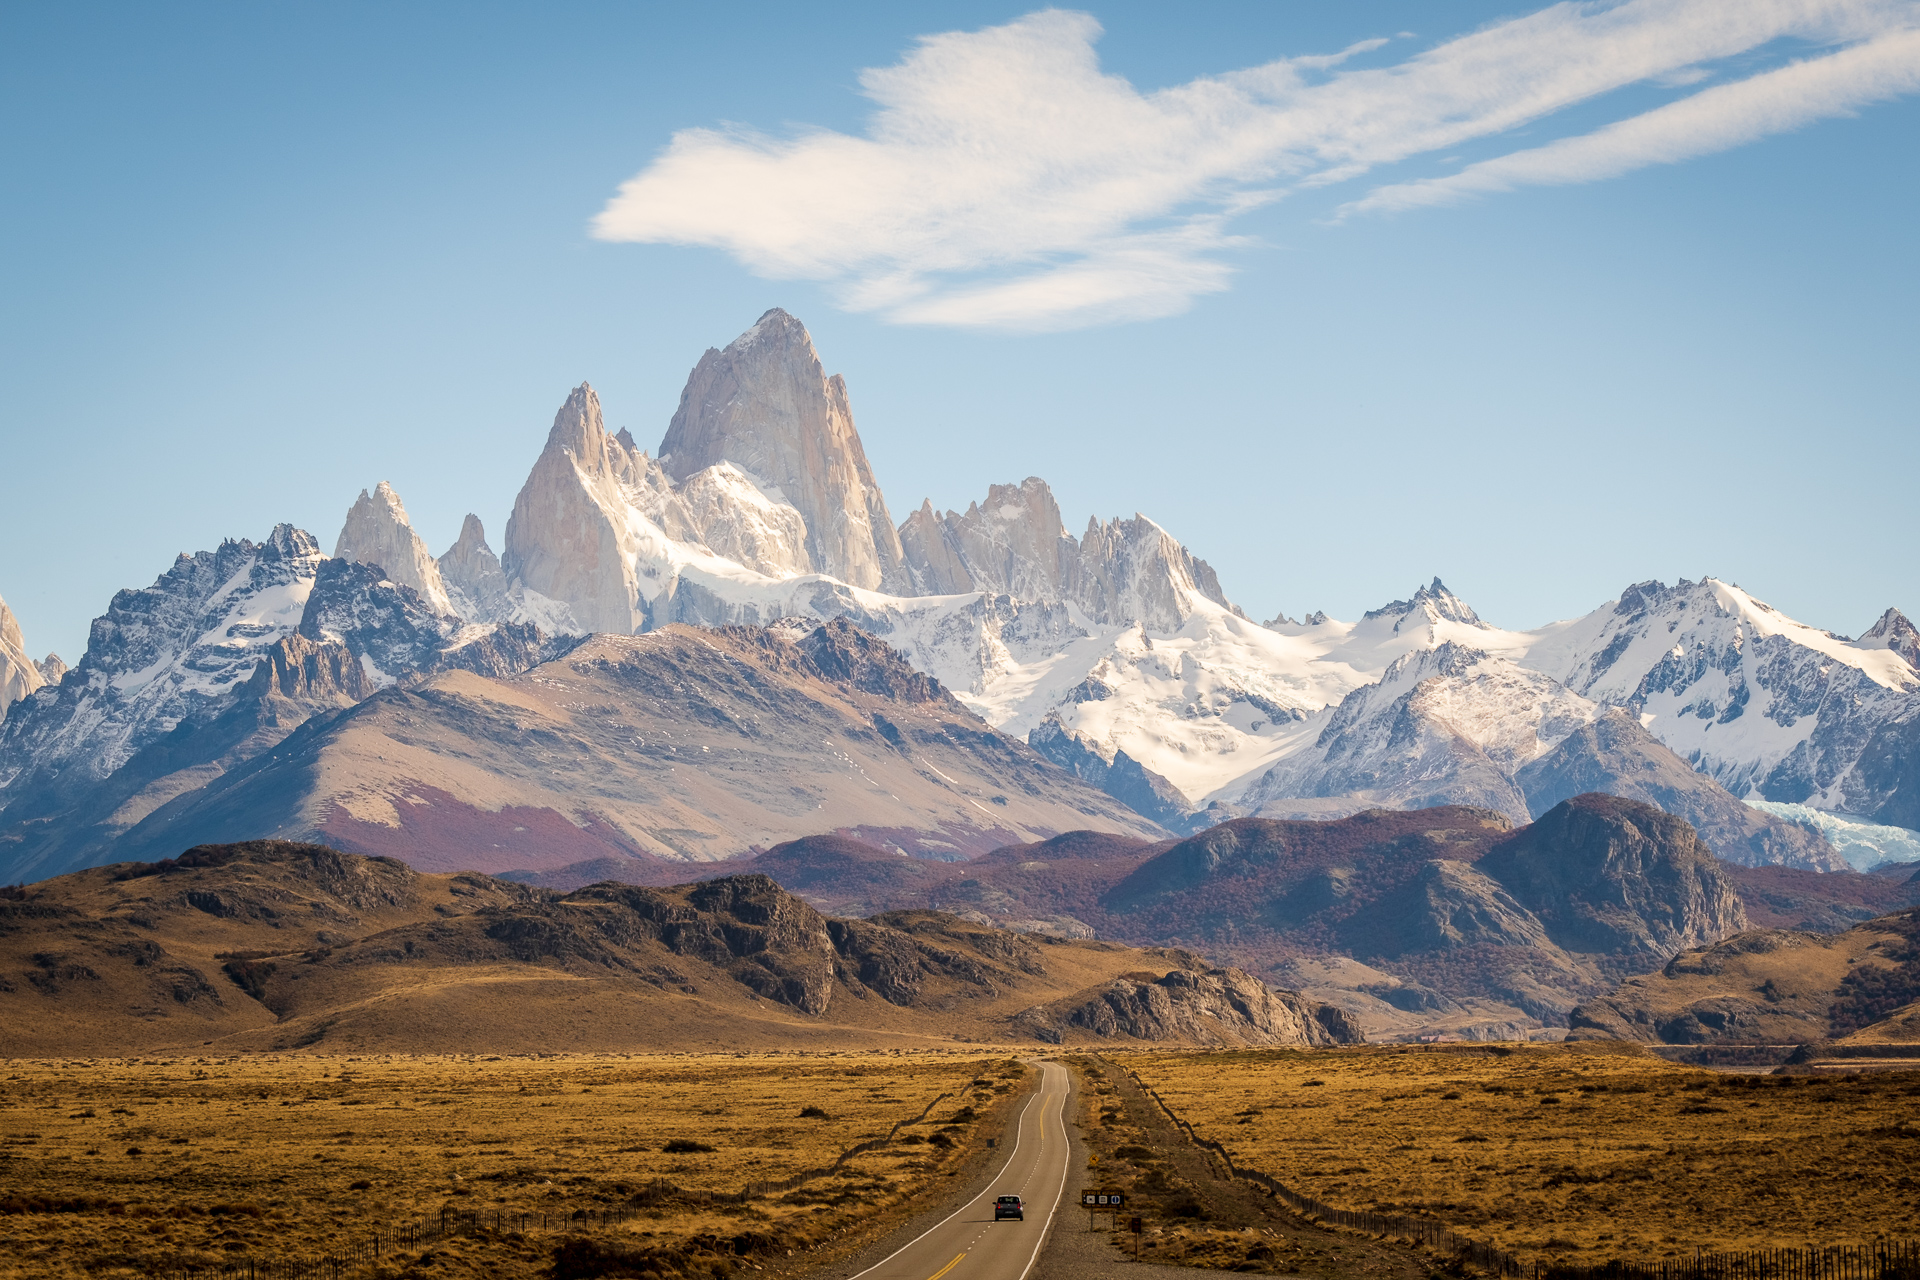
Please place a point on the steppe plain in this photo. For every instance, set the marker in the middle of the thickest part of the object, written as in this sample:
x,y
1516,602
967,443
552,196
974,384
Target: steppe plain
x,y
128,1166
1578,1153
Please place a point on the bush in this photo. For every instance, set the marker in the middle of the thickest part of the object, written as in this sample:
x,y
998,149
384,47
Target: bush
x,y
813,1113
684,1147
588,1260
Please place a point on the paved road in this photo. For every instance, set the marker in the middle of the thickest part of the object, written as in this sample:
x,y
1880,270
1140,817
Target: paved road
x,y
969,1244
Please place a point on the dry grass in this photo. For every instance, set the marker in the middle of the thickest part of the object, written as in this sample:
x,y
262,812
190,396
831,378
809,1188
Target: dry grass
x,y
1564,1151
146,1163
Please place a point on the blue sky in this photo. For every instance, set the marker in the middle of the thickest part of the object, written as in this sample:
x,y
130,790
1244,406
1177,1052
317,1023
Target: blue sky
x,y
257,258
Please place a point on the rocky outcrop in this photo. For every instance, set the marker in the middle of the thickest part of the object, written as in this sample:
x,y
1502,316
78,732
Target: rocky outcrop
x,y
476,586
1613,876
765,405
1430,604
1197,1006
52,668
1615,755
1451,905
378,533
19,674
1767,986
391,628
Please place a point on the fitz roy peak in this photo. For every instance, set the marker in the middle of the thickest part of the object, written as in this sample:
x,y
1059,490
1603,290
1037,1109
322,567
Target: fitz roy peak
x,y
765,405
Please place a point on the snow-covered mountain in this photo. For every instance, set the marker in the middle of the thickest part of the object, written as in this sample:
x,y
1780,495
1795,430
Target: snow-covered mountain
x,y
1119,649
1446,725
1116,653
1768,706
159,655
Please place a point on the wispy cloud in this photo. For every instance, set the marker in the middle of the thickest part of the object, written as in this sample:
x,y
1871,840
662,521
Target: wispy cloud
x,y
1006,181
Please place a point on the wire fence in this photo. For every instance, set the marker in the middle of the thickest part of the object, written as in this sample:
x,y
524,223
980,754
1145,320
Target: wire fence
x,y
1886,1260
387,1238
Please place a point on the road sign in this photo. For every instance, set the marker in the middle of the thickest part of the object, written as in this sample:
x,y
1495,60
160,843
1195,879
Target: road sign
x,y
1103,1200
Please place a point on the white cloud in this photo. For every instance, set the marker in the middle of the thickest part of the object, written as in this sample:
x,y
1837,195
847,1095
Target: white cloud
x,y
1006,181
1712,120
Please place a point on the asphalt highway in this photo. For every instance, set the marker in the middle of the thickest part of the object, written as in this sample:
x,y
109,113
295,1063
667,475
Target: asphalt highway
x,y
969,1244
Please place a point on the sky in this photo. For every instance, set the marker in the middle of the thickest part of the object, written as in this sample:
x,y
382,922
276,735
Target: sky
x,y
1542,301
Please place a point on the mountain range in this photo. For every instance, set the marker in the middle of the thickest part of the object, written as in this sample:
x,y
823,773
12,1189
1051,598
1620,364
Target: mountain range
x,y
1438,921
1116,655
270,945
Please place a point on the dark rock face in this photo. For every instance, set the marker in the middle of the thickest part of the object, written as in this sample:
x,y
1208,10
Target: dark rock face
x,y
1889,771
1617,756
381,621
844,654
1124,778
1615,876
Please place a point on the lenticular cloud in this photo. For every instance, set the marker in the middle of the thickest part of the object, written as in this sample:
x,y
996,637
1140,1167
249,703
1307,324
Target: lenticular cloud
x,y
1005,181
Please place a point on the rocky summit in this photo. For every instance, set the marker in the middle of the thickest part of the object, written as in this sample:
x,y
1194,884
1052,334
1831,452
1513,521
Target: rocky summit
x,y
765,405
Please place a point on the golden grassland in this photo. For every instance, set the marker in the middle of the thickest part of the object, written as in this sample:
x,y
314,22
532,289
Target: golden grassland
x,y
113,1167
1566,1152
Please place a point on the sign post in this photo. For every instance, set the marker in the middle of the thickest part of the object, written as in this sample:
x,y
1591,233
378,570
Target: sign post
x,y
1102,1200
1135,1225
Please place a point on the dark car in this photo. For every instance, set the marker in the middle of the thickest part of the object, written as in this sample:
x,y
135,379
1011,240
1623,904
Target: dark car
x,y
1009,1207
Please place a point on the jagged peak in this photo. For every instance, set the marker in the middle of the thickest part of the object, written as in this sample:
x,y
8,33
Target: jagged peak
x,y
290,542
382,504
1436,601
473,536
1449,658
1894,631
578,428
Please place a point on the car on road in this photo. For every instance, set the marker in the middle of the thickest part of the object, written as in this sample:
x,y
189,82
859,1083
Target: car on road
x,y
1009,1207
